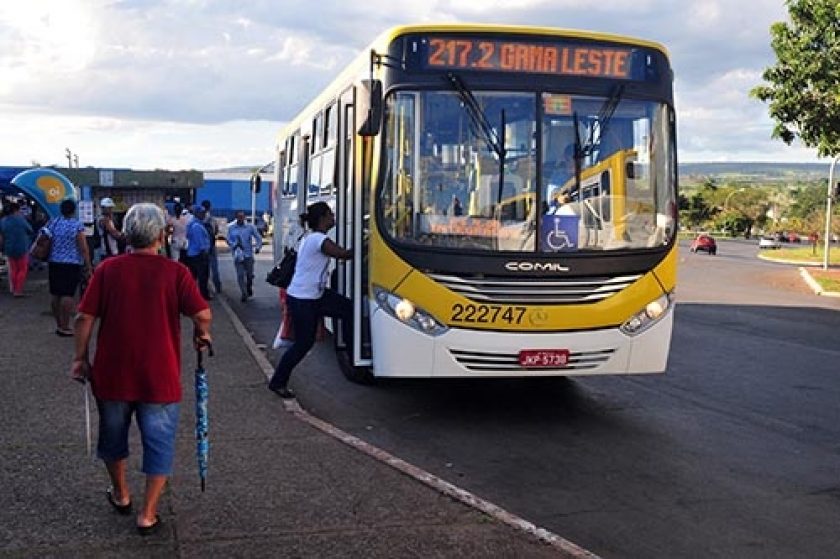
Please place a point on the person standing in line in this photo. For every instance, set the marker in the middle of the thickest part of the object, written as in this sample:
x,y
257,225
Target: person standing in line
x,y
138,374
307,296
240,238
16,233
108,232
69,259
212,230
178,225
198,250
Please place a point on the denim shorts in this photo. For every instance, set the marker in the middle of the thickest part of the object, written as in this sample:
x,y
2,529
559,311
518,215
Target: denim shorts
x,y
158,425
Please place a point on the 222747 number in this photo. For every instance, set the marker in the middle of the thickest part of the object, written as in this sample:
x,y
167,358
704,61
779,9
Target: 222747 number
x,y
486,314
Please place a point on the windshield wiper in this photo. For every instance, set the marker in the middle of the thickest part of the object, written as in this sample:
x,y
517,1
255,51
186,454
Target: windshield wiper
x,y
479,119
482,123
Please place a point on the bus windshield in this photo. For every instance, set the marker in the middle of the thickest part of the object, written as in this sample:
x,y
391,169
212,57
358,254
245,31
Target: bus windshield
x,y
526,172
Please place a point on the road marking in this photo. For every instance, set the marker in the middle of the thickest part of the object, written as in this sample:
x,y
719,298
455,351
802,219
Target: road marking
x,y
568,548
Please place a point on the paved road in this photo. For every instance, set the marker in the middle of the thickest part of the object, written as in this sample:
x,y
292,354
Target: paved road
x,y
732,453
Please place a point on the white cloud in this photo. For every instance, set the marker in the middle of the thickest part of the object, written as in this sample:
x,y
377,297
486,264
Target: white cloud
x,y
154,83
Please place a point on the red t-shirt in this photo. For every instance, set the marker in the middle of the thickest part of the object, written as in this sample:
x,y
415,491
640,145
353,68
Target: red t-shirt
x,y
138,299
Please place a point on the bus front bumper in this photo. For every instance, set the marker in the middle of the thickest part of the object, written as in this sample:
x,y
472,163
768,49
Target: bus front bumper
x,y
401,351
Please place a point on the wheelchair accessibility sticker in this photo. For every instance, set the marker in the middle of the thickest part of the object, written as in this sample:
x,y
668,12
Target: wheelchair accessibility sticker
x,y
560,232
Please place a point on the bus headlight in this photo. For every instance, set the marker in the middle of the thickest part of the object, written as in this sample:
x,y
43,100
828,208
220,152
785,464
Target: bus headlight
x,y
405,311
648,316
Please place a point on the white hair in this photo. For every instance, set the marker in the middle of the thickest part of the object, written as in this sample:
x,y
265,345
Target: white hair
x,y
143,225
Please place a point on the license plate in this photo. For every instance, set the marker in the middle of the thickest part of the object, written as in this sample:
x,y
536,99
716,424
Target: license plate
x,y
543,358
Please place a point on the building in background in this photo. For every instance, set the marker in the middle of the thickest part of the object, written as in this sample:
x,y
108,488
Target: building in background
x,y
227,190
230,192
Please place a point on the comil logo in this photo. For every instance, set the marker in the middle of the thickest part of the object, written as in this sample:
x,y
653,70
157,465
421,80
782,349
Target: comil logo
x,y
535,267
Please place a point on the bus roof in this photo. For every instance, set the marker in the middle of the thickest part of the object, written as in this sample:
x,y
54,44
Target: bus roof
x,y
360,64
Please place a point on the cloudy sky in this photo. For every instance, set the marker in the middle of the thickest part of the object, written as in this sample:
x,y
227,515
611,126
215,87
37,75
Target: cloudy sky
x,y
206,84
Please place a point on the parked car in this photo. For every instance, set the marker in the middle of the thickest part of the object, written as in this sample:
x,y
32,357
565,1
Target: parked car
x,y
704,243
794,238
769,242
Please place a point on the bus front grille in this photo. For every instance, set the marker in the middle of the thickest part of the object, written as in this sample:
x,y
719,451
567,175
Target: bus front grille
x,y
535,291
485,361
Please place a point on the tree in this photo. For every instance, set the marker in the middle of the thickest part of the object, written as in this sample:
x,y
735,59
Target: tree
x,y
803,86
806,200
741,210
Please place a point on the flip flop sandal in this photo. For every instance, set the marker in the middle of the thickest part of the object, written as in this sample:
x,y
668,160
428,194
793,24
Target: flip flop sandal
x,y
149,530
124,510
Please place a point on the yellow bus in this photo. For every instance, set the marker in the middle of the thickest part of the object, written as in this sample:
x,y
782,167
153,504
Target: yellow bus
x,y
510,194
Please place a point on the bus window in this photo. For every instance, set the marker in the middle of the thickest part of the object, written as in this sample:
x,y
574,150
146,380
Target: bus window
x,y
331,124
610,140
317,133
291,181
399,191
443,188
314,175
328,172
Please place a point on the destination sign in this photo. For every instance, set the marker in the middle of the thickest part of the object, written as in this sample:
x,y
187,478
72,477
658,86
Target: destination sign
x,y
567,59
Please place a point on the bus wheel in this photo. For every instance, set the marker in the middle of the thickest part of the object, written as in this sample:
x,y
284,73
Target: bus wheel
x,y
359,375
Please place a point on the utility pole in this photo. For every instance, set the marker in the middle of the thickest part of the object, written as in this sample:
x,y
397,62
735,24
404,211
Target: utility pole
x,y
69,155
76,160
829,196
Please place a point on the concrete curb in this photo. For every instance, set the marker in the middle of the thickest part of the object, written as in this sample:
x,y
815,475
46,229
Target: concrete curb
x,y
814,285
803,271
568,548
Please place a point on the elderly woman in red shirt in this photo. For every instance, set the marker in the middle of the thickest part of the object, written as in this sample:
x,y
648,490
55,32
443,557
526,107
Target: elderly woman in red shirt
x,y
138,299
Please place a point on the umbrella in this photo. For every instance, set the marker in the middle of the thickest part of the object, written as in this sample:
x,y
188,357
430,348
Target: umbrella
x,y
201,426
84,382
87,415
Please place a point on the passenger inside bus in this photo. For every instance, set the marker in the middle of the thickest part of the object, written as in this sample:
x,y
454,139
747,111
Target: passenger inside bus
x,y
558,201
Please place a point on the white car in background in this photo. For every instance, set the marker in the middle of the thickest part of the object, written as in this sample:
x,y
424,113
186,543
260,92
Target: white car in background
x,y
769,242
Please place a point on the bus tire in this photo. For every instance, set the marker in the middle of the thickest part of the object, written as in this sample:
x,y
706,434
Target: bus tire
x,y
358,375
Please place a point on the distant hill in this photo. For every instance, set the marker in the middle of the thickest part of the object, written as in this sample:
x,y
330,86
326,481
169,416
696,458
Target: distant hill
x,y
754,171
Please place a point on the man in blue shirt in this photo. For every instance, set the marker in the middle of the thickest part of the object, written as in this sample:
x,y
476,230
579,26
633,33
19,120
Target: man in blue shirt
x,y
198,251
240,237
213,231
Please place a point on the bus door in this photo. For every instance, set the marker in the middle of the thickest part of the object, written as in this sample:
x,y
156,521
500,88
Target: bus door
x,y
351,220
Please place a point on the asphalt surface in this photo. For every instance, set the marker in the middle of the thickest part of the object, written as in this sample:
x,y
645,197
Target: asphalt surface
x,y
731,453
277,487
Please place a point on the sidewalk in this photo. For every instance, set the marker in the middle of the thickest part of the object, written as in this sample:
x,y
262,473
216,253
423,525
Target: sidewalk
x,y
277,486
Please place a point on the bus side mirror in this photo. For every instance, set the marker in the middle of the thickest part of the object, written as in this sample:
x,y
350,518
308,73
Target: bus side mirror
x,y
370,108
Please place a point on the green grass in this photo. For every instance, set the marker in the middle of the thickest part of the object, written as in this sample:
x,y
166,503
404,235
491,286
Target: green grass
x,y
804,254
829,284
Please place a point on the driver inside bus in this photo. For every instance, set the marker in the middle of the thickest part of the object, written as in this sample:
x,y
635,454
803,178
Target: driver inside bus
x,y
562,170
